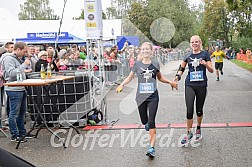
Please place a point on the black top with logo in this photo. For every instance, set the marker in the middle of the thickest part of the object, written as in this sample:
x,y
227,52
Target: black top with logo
x,y
147,86
197,72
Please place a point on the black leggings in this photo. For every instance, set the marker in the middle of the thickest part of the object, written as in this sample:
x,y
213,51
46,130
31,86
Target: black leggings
x,y
190,93
143,107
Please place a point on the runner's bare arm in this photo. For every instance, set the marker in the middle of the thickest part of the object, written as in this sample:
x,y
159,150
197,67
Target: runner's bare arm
x,y
208,65
125,82
161,78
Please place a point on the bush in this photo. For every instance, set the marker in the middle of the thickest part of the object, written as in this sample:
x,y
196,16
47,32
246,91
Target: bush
x,y
243,43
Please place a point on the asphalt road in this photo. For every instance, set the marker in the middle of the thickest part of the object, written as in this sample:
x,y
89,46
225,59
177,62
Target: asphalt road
x,y
228,102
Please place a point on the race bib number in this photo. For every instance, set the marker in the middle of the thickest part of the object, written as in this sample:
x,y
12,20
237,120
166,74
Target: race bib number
x,y
196,76
218,58
146,88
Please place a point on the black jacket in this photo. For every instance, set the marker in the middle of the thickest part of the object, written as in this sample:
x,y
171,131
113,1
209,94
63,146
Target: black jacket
x,y
45,63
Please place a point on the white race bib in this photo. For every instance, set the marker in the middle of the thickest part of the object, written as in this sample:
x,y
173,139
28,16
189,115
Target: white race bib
x,y
146,88
196,76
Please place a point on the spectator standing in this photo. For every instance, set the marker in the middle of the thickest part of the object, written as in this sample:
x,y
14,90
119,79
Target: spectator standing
x,y
9,46
17,95
2,51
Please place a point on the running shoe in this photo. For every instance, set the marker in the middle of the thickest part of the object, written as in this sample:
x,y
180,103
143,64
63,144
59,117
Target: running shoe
x,y
17,139
151,152
29,136
186,139
6,122
146,126
217,79
198,135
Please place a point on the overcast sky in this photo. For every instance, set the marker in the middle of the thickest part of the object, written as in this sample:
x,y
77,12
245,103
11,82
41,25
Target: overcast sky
x,y
73,7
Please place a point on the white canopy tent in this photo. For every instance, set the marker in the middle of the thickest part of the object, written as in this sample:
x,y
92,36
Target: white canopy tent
x,y
18,29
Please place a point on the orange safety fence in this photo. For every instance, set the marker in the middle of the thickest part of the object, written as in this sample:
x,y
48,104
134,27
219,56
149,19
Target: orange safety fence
x,y
245,57
249,56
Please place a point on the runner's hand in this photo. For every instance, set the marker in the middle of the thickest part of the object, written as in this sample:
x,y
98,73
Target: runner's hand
x,y
119,89
203,62
174,84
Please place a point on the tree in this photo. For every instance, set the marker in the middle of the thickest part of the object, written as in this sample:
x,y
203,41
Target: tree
x,y
138,22
226,19
216,22
148,20
199,24
119,8
36,10
242,42
111,13
178,12
241,12
104,15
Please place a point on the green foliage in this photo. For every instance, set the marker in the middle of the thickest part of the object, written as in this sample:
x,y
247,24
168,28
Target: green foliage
x,y
227,19
81,17
199,25
241,11
119,8
243,43
104,15
36,10
216,22
138,23
215,19
111,13
142,15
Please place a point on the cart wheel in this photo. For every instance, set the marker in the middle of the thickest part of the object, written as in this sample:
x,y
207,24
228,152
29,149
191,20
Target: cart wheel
x,y
95,116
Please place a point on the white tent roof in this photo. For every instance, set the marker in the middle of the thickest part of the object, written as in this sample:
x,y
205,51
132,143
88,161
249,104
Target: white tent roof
x,y
19,29
5,15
